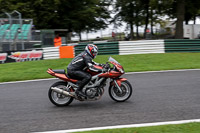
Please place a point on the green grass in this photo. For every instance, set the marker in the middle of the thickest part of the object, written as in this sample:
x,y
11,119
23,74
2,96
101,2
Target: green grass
x,y
131,63
179,128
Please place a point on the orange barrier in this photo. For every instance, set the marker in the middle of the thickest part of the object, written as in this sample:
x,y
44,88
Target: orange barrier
x,y
66,51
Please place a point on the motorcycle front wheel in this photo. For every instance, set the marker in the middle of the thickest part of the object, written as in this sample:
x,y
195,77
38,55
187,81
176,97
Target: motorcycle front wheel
x,y
126,92
57,98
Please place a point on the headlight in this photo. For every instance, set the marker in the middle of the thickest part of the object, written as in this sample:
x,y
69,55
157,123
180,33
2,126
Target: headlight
x,y
121,70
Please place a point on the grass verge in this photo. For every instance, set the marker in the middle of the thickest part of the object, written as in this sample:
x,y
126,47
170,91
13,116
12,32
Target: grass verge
x,y
131,63
179,128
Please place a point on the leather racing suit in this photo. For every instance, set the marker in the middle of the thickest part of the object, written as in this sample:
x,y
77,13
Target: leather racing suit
x,y
77,66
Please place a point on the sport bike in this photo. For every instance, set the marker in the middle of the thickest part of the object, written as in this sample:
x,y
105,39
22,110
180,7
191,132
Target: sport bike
x,y
62,93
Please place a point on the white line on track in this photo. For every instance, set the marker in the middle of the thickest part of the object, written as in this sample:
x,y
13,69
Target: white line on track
x,y
123,126
25,81
181,70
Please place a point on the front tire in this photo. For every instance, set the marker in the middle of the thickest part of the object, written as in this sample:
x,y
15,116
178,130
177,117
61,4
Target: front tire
x,y
59,99
126,92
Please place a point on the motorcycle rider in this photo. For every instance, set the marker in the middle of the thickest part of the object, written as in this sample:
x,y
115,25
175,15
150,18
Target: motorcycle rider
x,y
82,61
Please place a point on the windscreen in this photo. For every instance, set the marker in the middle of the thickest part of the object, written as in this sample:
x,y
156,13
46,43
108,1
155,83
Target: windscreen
x,y
113,60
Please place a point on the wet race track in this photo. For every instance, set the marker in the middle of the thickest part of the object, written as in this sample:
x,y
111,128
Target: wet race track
x,y
157,97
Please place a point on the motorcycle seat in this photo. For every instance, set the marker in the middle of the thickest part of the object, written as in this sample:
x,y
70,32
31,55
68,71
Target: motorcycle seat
x,y
61,71
68,76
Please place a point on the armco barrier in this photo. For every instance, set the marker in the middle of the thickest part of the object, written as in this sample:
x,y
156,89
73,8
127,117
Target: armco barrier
x,y
141,47
105,48
51,53
182,45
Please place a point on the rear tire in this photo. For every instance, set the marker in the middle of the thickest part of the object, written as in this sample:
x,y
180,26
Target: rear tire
x,y
126,92
59,99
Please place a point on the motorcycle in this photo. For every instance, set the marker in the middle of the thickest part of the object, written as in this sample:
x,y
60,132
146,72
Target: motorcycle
x,y
62,93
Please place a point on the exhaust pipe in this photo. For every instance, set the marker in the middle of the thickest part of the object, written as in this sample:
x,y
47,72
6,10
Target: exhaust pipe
x,y
58,90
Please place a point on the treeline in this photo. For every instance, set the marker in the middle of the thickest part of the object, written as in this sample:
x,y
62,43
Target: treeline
x,y
91,15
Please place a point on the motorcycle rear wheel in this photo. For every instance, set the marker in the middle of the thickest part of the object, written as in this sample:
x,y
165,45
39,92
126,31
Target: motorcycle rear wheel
x,y
126,92
57,99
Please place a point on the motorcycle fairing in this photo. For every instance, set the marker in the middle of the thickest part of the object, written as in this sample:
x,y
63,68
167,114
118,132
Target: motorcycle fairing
x,y
118,66
119,80
94,73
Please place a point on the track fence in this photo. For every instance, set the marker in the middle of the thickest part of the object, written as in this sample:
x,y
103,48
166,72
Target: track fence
x,y
182,45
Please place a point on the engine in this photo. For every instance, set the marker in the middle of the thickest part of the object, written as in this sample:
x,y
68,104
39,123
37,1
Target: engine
x,y
95,88
91,92
94,93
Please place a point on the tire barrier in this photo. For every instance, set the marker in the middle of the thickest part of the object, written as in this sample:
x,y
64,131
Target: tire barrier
x,y
51,53
141,47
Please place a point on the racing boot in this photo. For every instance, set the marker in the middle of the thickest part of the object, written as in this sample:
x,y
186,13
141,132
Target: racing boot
x,y
80,93
79,89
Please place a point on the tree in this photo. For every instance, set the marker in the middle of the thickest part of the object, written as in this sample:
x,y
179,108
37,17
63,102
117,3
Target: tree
x,y
89,15
155,13
74,15
128,11
192,10
138,13
180,13
146,4
182,10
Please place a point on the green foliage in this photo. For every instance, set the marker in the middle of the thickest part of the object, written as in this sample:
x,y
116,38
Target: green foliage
x,y
143,12
192,10
75,15
139,13
92,15
170,7
130,12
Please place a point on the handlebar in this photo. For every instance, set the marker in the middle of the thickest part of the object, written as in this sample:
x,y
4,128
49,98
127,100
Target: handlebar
x,y
106,67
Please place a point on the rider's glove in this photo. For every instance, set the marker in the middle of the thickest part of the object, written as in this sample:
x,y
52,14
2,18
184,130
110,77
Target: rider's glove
x,y
104,70
107,66
103,65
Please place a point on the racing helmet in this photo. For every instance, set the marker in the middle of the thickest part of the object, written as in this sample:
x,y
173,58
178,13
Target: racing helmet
x,y
92,50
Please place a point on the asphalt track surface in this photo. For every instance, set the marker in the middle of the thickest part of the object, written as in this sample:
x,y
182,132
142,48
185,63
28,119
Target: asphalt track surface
x,y
157,97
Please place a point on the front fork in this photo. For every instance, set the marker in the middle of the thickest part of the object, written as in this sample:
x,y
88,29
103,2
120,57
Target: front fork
x,y
117,83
